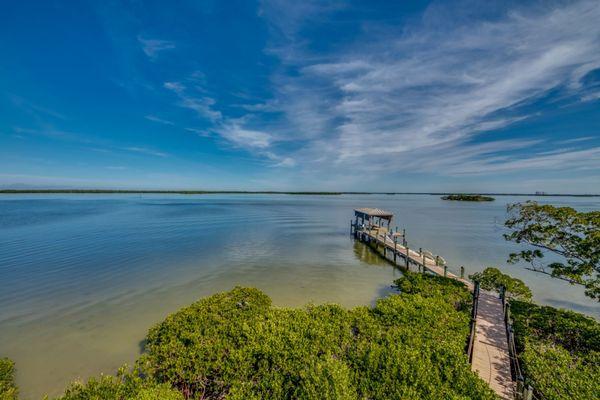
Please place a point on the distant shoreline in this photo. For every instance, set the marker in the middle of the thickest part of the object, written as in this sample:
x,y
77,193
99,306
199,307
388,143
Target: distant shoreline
x,y
467,197
110,191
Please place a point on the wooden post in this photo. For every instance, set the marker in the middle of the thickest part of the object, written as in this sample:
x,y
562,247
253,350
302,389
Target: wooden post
x,y
406,258
520,388
528,394
395,248
445,270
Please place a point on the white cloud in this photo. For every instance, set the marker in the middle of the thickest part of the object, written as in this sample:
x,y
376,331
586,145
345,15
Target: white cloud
x,y
152,47
34,108
202,105
245,137
174,86
284,162
591,96
154,118
428,90
559,160
146,150
199,132
576,140
233,131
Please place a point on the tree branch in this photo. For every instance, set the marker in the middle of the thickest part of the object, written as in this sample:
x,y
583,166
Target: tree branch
x,y
541,271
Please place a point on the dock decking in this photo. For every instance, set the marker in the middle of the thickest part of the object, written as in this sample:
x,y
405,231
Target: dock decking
x,y
491,359
490,354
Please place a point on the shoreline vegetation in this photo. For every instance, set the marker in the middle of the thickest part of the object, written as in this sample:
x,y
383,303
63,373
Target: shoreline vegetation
x,y
467,197
236,345
409,345
8,390
313,193
559,351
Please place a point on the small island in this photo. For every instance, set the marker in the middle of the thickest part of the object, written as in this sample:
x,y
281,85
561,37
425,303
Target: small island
x,y
467,197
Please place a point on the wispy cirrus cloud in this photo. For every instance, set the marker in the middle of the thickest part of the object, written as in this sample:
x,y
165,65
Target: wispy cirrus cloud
x,y
154,118
34,108
433,88
152,47
234,131
245,137
146,151
576,140
504,157
203,105
91,143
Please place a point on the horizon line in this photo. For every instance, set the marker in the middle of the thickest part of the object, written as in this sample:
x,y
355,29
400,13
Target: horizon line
x,y
290,192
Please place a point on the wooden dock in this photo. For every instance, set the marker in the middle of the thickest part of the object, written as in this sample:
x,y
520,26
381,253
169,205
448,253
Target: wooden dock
x,y
489,353
407,257
491,359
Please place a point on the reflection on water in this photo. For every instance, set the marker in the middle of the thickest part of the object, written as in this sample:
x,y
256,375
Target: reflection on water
x,y
83,277
368,255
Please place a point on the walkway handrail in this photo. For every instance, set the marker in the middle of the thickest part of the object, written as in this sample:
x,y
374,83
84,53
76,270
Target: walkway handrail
x,y
471,341
523,391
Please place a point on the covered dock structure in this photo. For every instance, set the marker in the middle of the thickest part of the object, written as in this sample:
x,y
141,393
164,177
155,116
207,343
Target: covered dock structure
x,y
373,217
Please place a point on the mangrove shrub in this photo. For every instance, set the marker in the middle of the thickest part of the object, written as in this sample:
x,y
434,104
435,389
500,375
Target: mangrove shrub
x,y
492,279
8,390
236,345
126,385
559,351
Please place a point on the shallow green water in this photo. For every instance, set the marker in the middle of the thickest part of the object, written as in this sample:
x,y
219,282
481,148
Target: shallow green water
x,y
83,277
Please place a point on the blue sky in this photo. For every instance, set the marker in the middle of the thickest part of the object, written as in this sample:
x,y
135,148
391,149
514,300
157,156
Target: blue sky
x,y
301,95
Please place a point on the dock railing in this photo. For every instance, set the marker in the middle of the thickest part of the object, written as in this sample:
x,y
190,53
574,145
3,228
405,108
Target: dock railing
x,y
471,340
388,239
523,390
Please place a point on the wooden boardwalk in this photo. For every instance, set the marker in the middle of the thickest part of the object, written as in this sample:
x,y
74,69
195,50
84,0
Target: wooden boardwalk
x,y
490,357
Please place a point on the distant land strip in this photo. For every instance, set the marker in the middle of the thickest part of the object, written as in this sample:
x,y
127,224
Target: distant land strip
x,y
316,193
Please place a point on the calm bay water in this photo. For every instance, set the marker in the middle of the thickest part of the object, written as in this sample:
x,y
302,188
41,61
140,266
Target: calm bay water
x,y
83,277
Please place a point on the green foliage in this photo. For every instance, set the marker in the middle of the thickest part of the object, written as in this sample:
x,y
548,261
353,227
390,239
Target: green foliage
x,y
8,390
559,351
467,197
235,345
158,392
573,236
124,386
574,331
559,375
492,279
435,286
